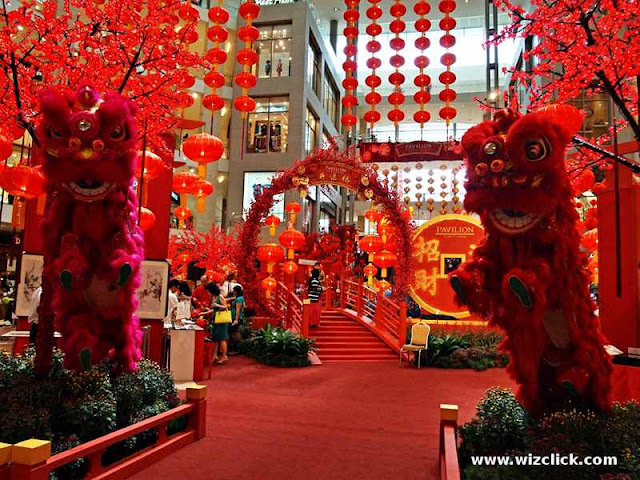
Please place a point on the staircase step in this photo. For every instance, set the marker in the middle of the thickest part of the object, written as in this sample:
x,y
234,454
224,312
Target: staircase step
x,y
346,341
357,357
354,350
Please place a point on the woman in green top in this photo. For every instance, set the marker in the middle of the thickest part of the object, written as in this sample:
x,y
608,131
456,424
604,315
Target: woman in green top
x,y
220,331
237,317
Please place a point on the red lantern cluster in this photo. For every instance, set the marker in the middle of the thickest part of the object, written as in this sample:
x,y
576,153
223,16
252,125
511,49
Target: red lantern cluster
x,y
397,26
373,98
292,240
422,80
183,184
350,83
448,95
247,57
147,219
217,56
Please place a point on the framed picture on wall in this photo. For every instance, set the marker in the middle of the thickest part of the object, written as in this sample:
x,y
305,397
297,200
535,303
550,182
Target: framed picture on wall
x,y
30,281
153,290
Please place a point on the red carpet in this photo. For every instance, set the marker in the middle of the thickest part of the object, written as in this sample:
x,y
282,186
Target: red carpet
x,y
338,421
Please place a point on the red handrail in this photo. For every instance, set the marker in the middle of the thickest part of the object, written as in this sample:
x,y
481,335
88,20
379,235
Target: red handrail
x,y
92,451
385,318
449,468
291,309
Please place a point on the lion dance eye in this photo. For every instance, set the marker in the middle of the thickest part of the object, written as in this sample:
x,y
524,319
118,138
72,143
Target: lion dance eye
x,y
490,148
54,133
117,133
536,150
74,142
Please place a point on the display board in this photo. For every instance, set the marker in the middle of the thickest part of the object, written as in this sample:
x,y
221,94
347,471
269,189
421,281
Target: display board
x,y
439,247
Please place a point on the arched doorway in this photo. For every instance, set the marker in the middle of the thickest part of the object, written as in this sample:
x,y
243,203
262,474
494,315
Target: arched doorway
x,y
342,169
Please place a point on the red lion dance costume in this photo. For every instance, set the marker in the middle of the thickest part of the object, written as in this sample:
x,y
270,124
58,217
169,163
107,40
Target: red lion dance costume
x,y
92,244
528,274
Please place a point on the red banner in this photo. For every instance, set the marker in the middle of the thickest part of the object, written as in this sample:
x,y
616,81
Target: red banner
x,y
410,152
439,246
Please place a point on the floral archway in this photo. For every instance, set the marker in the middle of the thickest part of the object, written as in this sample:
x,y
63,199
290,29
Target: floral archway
x,y
325,167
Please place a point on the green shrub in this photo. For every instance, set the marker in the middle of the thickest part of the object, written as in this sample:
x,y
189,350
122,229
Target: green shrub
x,y
70,408
278,347
502,427
464,349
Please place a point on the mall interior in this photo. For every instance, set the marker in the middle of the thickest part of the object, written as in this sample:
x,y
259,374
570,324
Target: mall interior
x,y
319,239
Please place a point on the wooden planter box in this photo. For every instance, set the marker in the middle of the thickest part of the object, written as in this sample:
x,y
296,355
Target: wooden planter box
x,y
32,460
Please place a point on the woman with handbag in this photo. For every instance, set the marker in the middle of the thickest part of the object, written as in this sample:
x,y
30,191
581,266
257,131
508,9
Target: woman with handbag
x,y
221,321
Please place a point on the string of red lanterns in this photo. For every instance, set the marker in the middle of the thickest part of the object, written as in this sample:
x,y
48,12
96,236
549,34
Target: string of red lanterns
x,y
216,56
24,183
397,26
350,83
247,57
183,184
373,98
422,80
447,78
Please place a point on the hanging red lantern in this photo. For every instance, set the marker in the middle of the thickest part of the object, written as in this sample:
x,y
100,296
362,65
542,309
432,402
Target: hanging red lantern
x,y
154,166
203,188
23,181
6,148
372,215
383,286
292,208
290,268
185,79
203,148
270,253
350,83
448,95
188,13
269,284
370,270
272,222
182,214
147,219
247,57
583,182
183,182
217,56
292,240
384,260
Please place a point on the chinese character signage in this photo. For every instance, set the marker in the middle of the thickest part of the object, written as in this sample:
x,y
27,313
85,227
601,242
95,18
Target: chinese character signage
x,y
439,246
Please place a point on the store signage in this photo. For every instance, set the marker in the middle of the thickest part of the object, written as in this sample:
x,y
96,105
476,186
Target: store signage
x,y
439,247
333,173
410,151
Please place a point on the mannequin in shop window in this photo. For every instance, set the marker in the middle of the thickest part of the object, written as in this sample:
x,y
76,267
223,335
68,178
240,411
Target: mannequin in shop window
x,y
279,68
267,68
261,137
276,138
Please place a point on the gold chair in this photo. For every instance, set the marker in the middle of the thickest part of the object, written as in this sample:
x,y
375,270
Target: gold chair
x,y
419,340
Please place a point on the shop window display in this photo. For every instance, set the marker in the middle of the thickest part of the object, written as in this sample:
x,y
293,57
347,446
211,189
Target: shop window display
x,y
274,51
310,132
314,62
330,97
268,126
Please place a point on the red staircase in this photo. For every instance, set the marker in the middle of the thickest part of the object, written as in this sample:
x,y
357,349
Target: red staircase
x,y
341,339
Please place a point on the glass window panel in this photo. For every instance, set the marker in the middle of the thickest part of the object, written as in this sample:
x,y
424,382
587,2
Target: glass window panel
x,y
265,32
268,126
282,58
265,62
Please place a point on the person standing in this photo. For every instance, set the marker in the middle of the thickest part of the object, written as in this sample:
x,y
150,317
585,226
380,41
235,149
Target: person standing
x,y
174,288
201,298
220,331
237,317
33,315
228,286
314,293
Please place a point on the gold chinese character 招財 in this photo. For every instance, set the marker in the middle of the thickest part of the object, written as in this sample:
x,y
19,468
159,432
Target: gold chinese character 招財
x,y
428,249
427,281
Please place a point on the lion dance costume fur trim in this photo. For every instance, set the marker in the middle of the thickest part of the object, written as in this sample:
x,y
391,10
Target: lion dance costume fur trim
x,y
92,244
528,275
